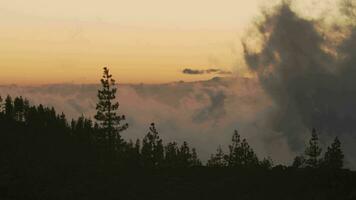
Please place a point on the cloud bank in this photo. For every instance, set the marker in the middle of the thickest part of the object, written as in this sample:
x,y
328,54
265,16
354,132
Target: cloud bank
x,y
204,113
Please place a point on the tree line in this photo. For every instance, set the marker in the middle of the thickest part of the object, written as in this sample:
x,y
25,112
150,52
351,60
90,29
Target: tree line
x,y
43,155
28,125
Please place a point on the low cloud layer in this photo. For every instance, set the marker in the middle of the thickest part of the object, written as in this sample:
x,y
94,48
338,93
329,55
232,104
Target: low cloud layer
x,y
205,71
203,113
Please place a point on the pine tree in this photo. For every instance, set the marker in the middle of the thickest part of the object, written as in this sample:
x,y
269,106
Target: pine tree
x,y
241,154
63,120
9,107
107,113
1,105
171,154
313,151
152,148
249,157
184,155
195,162
235,155
217,160
20,107
334,157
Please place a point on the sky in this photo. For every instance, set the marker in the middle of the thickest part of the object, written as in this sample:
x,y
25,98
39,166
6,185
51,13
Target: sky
x,y
141,41
292,67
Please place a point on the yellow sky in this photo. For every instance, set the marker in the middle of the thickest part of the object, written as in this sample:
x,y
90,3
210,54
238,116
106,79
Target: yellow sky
x,y
47,41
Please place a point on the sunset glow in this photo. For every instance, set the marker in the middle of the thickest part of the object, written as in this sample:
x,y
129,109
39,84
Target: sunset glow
x,y
55,42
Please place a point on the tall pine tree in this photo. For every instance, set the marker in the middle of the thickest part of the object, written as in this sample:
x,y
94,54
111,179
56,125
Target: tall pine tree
x,y
313,151
107,116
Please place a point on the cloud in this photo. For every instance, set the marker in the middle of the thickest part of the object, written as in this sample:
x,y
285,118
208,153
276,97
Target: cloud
x,y
206,71
305,78
204,113
310,75
214,110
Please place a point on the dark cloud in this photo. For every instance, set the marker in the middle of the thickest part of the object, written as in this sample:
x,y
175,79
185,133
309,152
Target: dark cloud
x,y
214,110
206,71
311,85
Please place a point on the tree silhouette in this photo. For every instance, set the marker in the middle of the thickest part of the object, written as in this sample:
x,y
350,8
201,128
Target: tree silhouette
x,y
171,155
132,154
152,148
313,151
298,162
266,163
241,154
334,157
43,156
217,160
20,106
195,162
187,157
1,105
107,113
184,155
41,152
9,107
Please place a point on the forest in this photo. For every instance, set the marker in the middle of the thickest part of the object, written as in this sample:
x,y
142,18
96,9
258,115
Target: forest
x,y
44,155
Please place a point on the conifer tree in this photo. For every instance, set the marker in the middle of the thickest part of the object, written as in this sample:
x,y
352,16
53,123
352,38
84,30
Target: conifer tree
x,y
20,106
241,154
152,148
235,155
63,120
1,105
217,160
184,155
249,157
334,157
171,154
195,162
110,123
313,151
9,107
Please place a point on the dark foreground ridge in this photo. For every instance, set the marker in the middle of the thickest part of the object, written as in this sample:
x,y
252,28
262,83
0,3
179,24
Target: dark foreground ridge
x,y
44,156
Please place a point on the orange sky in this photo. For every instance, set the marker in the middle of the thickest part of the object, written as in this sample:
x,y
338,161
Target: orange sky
x,y
68,41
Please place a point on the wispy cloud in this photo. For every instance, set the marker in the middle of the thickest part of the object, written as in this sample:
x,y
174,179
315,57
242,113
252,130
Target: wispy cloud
x,y
205,71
